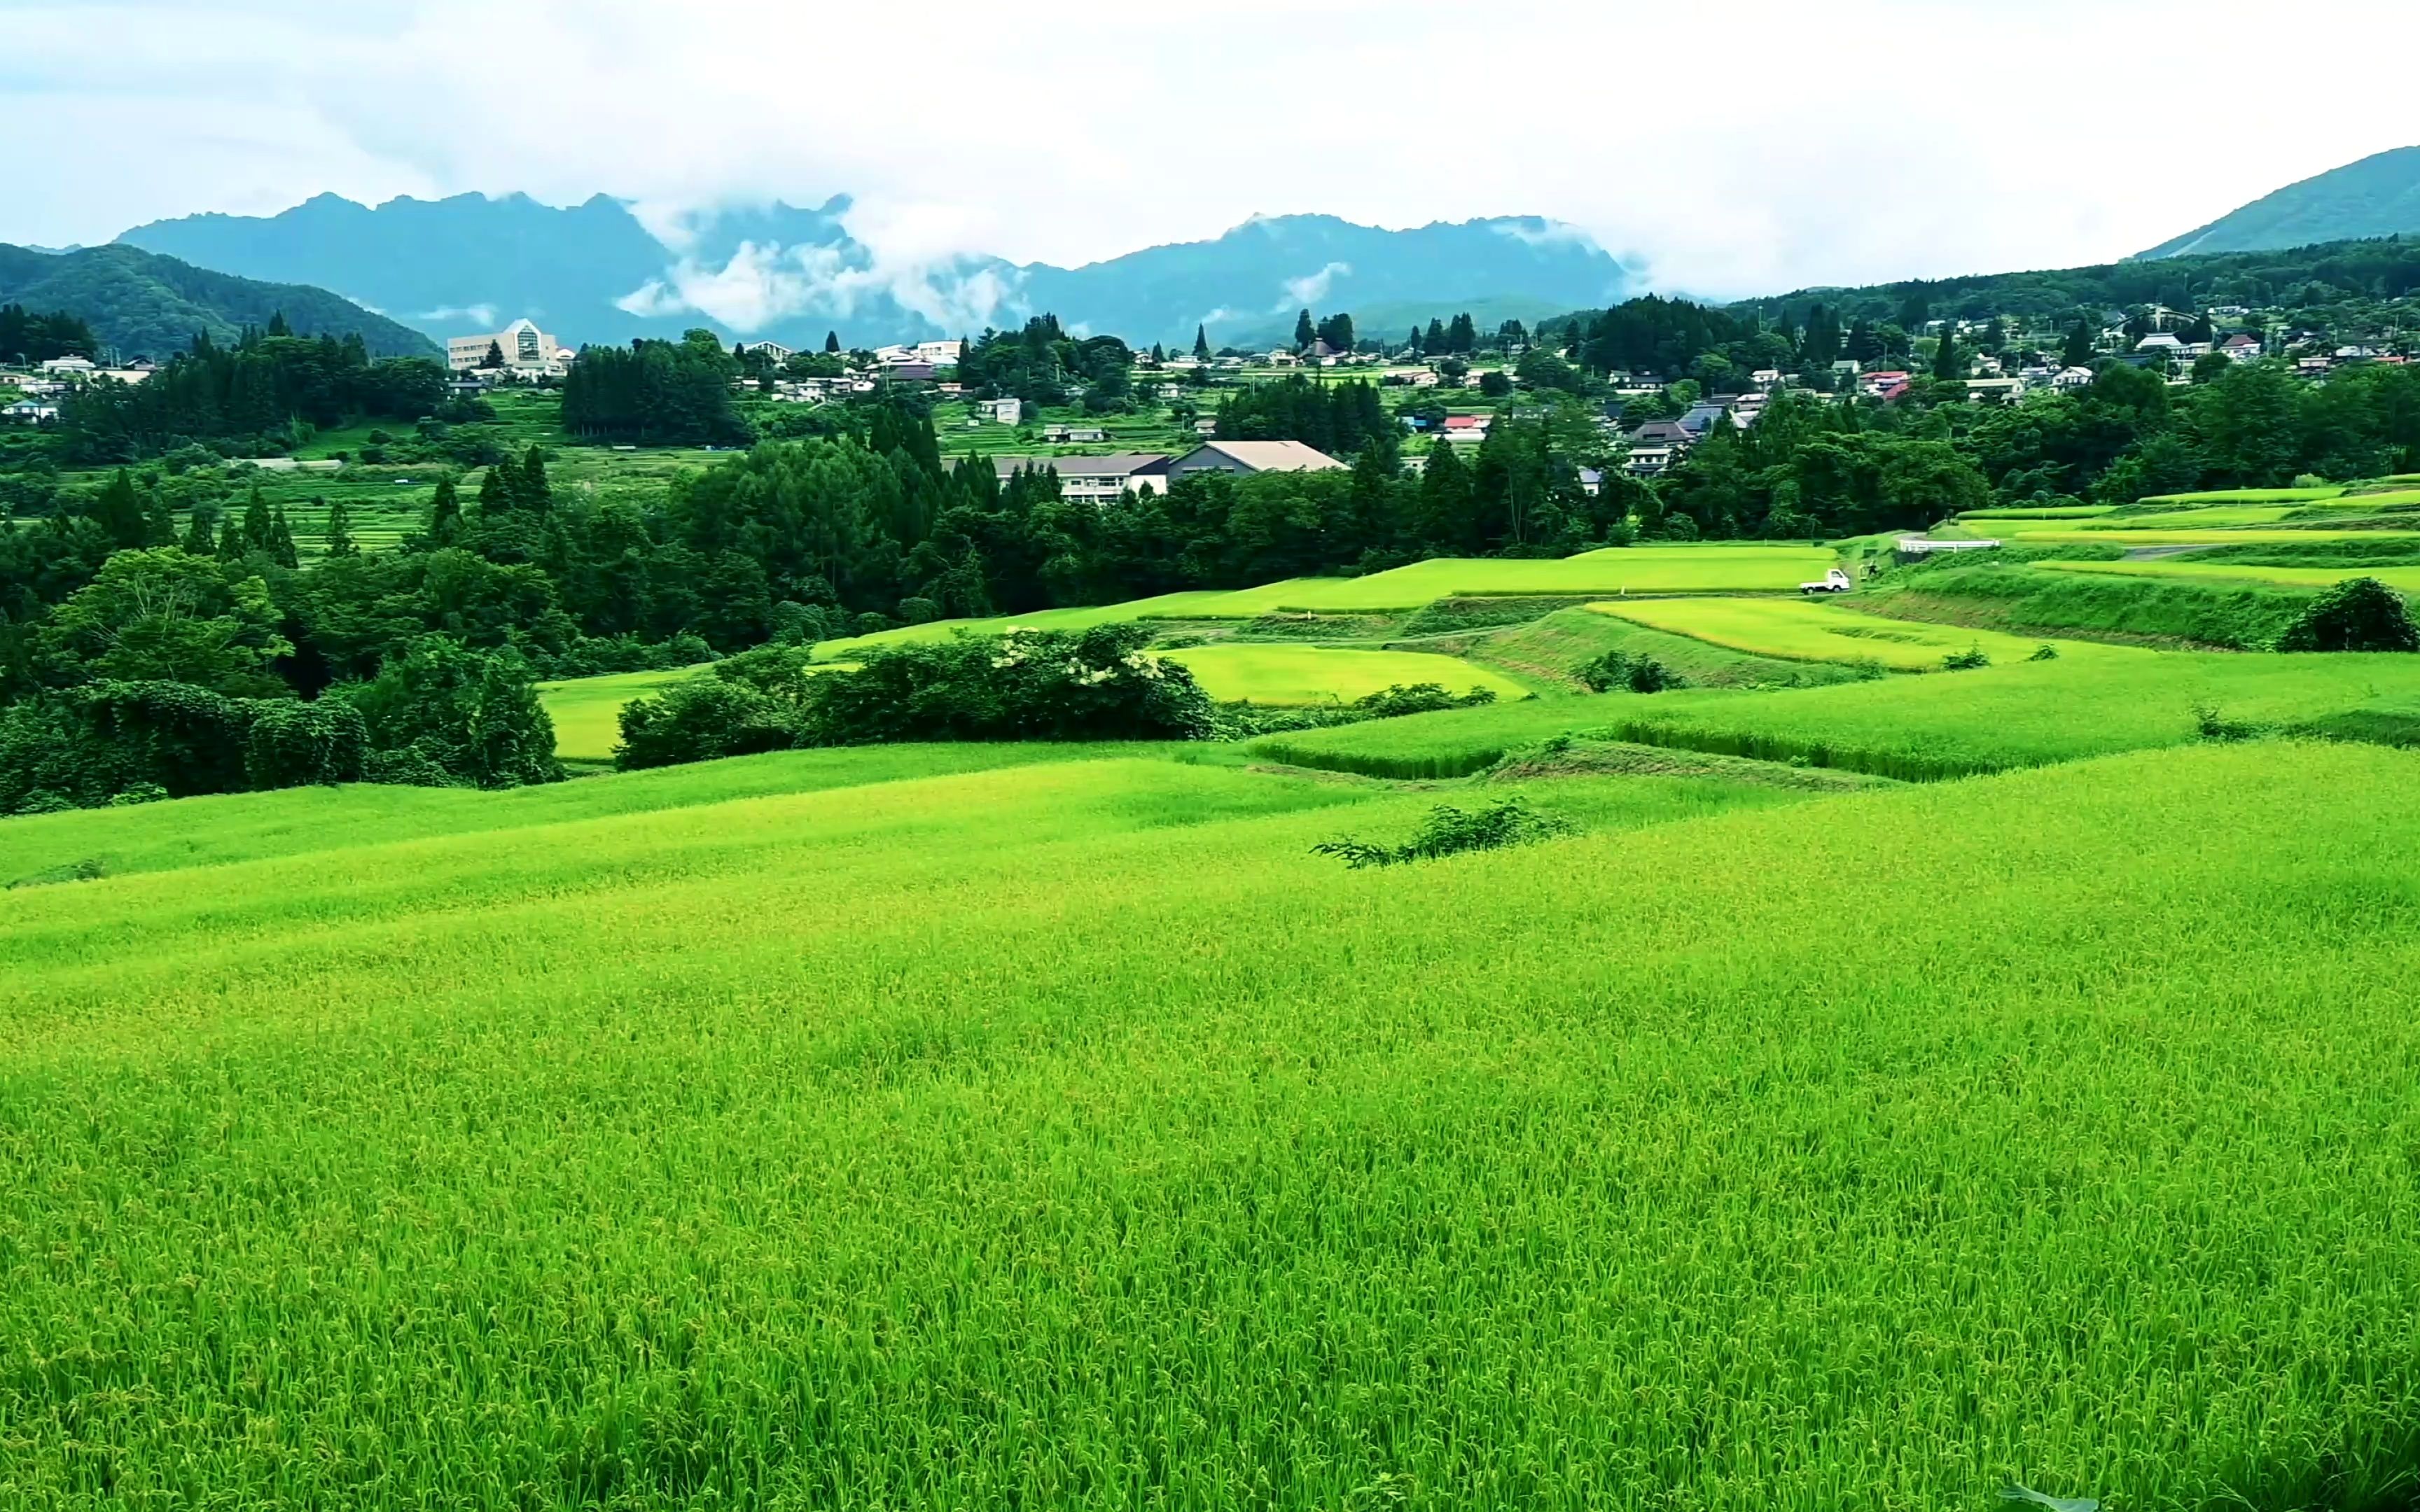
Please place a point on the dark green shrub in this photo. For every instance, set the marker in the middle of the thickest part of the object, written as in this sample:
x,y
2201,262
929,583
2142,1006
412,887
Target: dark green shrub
x,y
1026,684
297,745
703,719
1620,672
474,715
1417,698
2358,614
185,739
1970,660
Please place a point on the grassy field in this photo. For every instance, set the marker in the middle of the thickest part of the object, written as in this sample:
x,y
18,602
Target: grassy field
x,y
1804,630
587,711
1991,719
1067,1135
1263,673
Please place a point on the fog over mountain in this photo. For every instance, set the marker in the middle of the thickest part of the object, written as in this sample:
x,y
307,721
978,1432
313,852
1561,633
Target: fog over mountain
x,y
601,272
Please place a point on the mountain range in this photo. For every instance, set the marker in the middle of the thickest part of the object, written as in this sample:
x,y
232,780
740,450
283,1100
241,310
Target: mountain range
x,y
144,305
2378,196
594,272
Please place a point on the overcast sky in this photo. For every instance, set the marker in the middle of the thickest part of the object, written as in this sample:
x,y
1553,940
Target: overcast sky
x,y
1733,148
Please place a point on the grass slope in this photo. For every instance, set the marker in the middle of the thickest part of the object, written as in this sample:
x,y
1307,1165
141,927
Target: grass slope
x,y
252,826
2032,599
1068,1137
1548,649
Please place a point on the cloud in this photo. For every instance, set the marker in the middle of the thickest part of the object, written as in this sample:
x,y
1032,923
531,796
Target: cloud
x,y
482,315
761,284
1813,169
1303,292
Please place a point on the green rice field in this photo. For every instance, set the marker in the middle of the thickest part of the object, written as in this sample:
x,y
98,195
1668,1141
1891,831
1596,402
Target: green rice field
x,y
1300,675
1851,1091
802,1132
2404,578
1990,719
1807,630
587,711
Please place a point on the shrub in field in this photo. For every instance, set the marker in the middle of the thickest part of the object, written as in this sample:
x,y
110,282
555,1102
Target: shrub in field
x,y
1971,658
472,715
2045,652
293,744
1028,684
181,737
1617,672
1417,698
2358,614
1449,831
702,719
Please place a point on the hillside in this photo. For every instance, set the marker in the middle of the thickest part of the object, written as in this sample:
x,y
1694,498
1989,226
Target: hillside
x,y
141,303
2309,275
592,272
2378,196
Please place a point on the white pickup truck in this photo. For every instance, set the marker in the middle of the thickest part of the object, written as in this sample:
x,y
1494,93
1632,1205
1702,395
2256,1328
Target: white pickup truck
x,y
1834,581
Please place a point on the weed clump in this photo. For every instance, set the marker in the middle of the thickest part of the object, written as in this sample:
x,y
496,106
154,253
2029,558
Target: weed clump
x,y
1449,831
1971,658
1619,671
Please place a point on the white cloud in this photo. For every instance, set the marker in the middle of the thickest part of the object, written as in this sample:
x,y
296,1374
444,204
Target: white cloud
x,y
1303,292
1867,139
478,315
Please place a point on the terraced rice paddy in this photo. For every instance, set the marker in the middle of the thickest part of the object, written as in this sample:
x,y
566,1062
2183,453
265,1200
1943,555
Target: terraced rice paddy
x,y
1067,1135
2404,579
1293,674
1804,630
1991,719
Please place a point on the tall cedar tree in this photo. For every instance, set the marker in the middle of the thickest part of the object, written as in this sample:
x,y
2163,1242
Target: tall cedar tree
x,y
1201,343
444,515
1304,331
340,530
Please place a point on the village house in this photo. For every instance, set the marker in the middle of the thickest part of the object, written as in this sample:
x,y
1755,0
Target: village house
x,y
1247,457
1074,434
1096,480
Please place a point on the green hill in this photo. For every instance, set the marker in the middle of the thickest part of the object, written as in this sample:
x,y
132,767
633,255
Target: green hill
x,y
141,303
2378,196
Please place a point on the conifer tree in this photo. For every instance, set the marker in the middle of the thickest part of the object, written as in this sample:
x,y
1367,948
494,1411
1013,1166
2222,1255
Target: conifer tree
x,y
1412,342
532,492
119,512
2078,350
1304,331
281,538
340,530
1948,361
200,538
1201,343
1158,354
496,491
230,539
1433,344
831,341
258,534
159,522
444,515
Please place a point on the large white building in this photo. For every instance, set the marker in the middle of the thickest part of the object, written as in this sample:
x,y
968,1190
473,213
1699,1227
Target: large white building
x,y
524,347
